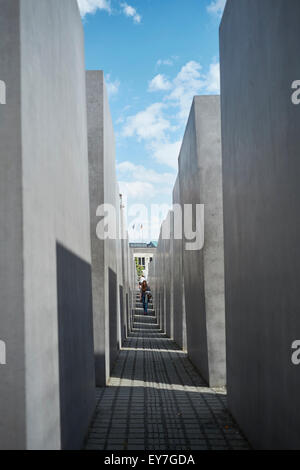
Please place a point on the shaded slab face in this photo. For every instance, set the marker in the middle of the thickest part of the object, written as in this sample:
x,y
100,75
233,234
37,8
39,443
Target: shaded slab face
x,y
200,180
44,198
75,330
261,170
113,312
12,383
106,254
95,120
177,278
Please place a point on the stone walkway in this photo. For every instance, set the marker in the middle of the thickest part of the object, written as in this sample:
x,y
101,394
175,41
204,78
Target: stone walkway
x,y
156,400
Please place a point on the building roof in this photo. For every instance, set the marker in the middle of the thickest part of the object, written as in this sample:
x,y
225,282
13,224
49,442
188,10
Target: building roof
x,y
143,245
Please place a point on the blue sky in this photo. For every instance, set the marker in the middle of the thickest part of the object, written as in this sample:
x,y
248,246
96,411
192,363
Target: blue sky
x,y
156,55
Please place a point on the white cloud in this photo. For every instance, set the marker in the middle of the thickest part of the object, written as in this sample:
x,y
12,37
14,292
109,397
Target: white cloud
x,y
91,6
158,83
151,225
168,62
213,79
216,7
136,190
148,124
112,86
139,186
166,153
158,121
188,83
143,185
120,120
152,176
130,11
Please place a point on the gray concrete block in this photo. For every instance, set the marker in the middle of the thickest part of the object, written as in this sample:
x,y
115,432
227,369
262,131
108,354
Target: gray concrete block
x,y
44,204
124,267
200,180
160,293
261,170
178,280
12,383
105,253
166,274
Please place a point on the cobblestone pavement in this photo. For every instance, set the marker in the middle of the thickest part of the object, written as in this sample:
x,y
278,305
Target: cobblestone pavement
x,y
156,400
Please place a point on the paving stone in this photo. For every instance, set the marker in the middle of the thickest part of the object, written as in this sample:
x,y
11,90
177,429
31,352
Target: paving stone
x,y
156,400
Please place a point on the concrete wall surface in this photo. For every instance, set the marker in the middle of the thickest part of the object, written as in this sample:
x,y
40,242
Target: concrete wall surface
x,y
261,171
177,270
45,258
200,182
161,278
189,276
166,279
124,293
12,383
160,282
106,253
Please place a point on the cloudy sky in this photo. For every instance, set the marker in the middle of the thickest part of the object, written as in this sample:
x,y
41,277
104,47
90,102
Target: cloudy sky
x,y
156,55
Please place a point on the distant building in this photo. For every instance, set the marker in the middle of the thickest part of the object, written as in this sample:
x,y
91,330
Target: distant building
x,y
144,253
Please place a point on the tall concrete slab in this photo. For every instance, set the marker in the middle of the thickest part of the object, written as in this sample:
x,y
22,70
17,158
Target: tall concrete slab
x,y
120,279
124,288
171,270
160,266
166,278
200,180
105,252
261,171
47,384
12,383
177,270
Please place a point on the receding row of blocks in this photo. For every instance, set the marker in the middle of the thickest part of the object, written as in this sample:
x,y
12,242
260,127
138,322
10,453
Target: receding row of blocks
x,y
189,284
62,289
50,273
252,200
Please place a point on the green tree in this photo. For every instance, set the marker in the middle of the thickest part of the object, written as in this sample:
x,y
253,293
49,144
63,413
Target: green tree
x,y
139,268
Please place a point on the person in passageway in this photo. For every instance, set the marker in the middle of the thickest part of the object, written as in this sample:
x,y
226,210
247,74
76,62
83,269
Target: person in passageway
x,y
144,296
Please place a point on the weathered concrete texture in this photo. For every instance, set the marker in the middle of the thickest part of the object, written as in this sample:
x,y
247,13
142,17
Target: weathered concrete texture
x,y
261,171
133,280
161,277
189,284
105,253
166,273
124,289
160,284
12,383
44,204
2,92
177,272
115,343
156,400
200,181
